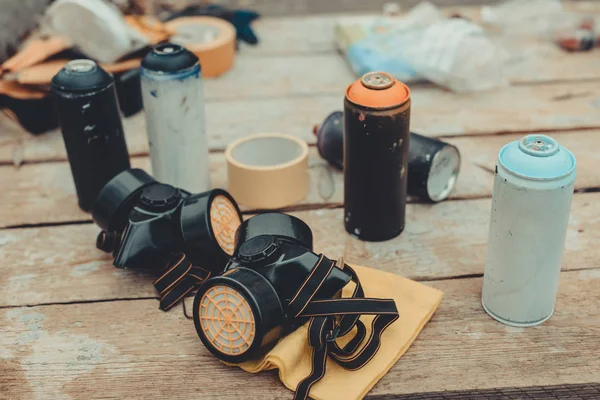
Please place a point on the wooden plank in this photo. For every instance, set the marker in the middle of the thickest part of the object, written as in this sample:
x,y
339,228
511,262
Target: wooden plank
x,y
310,75
129,349
435,112
590,391
44,193
461,338
302,34
447,240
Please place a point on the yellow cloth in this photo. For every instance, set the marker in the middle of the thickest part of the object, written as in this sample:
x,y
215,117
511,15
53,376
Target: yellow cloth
x,y
292,355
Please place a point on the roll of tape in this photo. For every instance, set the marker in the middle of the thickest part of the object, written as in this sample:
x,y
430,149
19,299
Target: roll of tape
x,y
267,171
212,40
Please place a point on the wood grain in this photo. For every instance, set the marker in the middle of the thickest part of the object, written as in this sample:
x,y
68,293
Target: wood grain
x,y
590,391
435,112
446,240
129,349
44,193
310,34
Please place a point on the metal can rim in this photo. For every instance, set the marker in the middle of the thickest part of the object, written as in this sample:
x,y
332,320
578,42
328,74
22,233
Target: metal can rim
x,y
530,178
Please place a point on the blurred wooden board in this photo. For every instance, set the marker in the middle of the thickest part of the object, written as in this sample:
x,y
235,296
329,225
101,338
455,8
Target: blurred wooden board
x,y
73,326
443,241
44,192
129,349
434,112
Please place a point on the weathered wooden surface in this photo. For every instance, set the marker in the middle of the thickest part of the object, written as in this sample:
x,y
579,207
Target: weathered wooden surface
x,y
73,326
44,192
446,240
435,112
129,349
589,391
315,33
292,93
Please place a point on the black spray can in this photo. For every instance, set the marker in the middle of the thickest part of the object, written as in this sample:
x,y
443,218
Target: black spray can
x,y
88,113
433,165
376,140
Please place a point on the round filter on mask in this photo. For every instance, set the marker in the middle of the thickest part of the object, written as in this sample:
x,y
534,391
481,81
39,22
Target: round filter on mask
x,y
283,226
238,315
118,197
209,221
268,171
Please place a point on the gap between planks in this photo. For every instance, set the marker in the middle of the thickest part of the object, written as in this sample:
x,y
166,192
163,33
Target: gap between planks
x,y
5,163
95,346
39,194
188,296
440,242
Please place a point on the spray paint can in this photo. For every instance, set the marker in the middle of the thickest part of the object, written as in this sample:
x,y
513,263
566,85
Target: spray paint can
x,y
88,111
376,135
533,188
433,165
174,104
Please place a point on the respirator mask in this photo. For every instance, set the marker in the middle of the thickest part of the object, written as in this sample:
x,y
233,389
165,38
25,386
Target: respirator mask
x,y
147,225
275,283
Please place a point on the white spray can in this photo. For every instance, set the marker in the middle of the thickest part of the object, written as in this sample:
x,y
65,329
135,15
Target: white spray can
x,y
531,202
174,105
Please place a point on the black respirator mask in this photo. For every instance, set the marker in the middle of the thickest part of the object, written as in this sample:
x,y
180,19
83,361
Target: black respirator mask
x,y
149,225
275,283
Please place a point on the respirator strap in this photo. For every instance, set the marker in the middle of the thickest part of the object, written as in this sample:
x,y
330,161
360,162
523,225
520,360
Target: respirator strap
x,y
332,318
179,278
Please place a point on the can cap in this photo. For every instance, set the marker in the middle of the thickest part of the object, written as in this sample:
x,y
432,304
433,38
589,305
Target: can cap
x,y
537,157
378,90
81,76
118,197
259,248
160,197
169,57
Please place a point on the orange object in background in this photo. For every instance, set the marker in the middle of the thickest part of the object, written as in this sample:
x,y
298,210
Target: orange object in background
x,y
211,39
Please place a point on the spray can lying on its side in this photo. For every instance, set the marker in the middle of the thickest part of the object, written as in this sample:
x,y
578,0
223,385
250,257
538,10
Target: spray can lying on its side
x,y
376,129
87,109
174,104
531,201
433,165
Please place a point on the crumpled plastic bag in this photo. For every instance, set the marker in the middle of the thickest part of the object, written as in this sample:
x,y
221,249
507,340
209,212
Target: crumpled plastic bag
x,y
453,53
528,18
95,27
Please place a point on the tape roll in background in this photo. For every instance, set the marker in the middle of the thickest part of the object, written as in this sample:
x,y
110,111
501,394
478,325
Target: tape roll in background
x,y
212,40
268,171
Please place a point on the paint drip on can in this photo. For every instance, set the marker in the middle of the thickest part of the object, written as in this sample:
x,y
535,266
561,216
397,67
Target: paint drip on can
x,y
433,165
173,99
376,135
533,188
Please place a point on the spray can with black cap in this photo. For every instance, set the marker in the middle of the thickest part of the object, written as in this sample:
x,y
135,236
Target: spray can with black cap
x,y
174,105
87,109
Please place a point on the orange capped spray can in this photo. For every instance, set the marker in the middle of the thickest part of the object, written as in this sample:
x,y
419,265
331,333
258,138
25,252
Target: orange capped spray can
x,y
376,134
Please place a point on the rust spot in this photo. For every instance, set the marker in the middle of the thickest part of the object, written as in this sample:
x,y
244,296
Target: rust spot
x,y
361,117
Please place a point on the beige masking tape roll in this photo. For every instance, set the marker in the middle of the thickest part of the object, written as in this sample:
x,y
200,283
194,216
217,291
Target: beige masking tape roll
x,y
212,40
268,170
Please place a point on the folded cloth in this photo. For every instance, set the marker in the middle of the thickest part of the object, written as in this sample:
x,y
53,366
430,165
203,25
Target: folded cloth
x,y
293,355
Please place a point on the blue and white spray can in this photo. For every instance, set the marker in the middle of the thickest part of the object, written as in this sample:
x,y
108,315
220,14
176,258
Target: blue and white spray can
x,y
531,202
173,97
